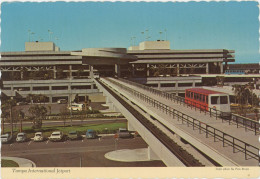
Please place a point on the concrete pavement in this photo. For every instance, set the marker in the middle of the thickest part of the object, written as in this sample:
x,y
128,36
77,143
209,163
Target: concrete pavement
x,y
128,155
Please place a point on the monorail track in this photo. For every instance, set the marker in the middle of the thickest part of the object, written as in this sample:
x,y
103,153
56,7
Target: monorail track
x,y
186,158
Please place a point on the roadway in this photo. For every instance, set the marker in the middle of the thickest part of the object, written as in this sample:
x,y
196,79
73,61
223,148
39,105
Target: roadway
x,y
68,153
237,158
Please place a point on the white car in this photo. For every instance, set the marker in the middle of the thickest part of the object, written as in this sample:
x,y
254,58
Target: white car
x,y
5,138
21,137
56,136
38,137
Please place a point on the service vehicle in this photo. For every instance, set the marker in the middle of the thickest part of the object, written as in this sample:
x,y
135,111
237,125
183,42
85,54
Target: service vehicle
x,y
208,100
123,133
62,101
76,107
21,137
56,136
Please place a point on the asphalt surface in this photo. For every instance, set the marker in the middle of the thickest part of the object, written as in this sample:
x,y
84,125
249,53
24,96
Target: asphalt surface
x,y
88,152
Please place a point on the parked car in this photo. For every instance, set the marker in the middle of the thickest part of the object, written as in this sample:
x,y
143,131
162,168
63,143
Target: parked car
x,y
38,137
21,137
56,136
6,138
62,101
91,134
123,133
21,103
73,135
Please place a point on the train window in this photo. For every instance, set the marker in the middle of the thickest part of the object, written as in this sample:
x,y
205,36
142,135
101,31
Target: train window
x,y
223,100
214,99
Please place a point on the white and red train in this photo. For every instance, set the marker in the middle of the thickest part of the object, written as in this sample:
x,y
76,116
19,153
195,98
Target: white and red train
x,y
206,99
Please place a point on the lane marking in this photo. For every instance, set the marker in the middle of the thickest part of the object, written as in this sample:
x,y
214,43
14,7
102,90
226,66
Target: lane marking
x,y
11,145
29,143
47,141
82,140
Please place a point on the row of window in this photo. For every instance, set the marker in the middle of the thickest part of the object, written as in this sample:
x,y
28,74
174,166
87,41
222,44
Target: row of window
x,y
197,97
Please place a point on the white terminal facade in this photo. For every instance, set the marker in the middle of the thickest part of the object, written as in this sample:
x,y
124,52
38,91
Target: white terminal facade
x,y
43,69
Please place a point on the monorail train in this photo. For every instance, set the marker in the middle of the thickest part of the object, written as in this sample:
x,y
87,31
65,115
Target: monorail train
x,y
206,99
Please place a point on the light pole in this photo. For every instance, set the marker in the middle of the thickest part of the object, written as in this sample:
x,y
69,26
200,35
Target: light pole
x,y
29,32
50,33
143,35
160,35
165,30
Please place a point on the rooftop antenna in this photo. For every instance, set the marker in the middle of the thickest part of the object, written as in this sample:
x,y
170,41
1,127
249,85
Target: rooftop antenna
x,y
160,35
29,32
165,30
50,33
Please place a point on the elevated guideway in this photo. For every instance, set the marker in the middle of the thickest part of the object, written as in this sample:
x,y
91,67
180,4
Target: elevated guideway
x,y
160,145
225,142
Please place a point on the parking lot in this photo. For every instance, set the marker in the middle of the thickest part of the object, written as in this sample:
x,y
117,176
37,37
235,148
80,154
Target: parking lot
x,y
87,152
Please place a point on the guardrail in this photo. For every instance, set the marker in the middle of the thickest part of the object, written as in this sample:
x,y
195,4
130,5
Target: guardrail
x,y
186,158
247,123
237,144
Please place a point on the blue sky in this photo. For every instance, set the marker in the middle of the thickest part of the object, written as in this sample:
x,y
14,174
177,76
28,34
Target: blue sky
x,y
192,25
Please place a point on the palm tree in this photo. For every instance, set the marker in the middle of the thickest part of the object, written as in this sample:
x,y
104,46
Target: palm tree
x,y
7,110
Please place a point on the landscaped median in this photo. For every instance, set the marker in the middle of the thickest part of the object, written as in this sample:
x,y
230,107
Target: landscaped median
x,y
100,128
8,163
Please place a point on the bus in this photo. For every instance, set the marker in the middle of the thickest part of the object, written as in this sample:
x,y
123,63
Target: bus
x,y
76,107
206,99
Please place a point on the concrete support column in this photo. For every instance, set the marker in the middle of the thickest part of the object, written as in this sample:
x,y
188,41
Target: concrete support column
x,y
133,70
117,70
159,85
91,73
21,73
207,68
130,127
151,154
54,72
50,99
221,67
193,84
178,69
70,71
147,70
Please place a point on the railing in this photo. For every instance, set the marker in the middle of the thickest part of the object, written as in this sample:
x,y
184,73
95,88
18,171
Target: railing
x,y
237,144
247,123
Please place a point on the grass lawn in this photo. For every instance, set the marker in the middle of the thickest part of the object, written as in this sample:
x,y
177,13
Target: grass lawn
x,y
8,163
100,128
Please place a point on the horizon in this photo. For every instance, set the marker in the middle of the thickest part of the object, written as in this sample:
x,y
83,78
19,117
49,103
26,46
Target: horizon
x,y
77,25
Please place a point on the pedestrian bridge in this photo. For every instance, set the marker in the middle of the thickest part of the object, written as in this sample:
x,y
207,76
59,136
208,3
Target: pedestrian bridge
x,y
209,138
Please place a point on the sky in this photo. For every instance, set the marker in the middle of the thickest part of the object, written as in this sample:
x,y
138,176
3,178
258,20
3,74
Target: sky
x,y
77,25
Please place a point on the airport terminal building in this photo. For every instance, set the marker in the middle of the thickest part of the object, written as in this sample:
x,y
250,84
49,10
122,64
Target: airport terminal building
x,y
43,69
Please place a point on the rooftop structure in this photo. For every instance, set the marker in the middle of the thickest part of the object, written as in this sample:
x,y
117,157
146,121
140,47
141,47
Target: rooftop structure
x,y
43,69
